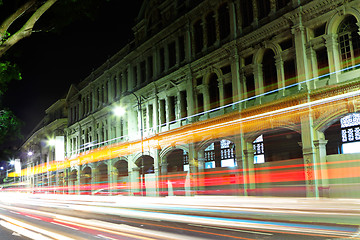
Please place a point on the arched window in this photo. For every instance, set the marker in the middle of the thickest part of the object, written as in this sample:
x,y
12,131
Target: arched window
x,y
211,29
350,133
258,145
214,91
349,42
220,154
247,13
224,21
263,8
198,36
178,160
269,71
277,145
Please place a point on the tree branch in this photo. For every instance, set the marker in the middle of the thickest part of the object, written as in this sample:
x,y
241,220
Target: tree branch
x,y
8,21
37,14
26,29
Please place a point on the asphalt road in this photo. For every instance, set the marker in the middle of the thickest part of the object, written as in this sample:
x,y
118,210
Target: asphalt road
x,y
42,219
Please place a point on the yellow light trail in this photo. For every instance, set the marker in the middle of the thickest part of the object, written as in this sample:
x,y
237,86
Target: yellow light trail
x,y
248,120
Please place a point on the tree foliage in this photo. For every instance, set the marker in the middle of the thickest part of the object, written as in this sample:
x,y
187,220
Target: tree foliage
x,y
9,126
8,72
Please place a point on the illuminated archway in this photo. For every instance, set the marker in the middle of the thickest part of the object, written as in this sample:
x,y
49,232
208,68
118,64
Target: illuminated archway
x,y
121,178
147,175
85,181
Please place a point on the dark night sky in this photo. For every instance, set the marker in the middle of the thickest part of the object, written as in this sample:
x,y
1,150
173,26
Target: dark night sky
x,y
51,62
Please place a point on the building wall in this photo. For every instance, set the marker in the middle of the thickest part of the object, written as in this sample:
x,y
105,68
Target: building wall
x,y
204,61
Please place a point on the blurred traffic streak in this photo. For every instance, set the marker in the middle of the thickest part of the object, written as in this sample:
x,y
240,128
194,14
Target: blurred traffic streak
x,y
226,125
287,179
202,217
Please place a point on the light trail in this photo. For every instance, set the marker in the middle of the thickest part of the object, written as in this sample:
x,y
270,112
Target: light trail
x,y
191,133
182,216
30,230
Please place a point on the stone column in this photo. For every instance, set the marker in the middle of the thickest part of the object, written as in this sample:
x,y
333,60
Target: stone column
x,y
300,40
280,73
157,171
93,179
313,68
240,161
235,75
258,76
310,167
77,183
190,95
193,168
332,46
156,122
221,92
111,176
320,147
135,180
248,170
205,92
233,20
164,180
201,171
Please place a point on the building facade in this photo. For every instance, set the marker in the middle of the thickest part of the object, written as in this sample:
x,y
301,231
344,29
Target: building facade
x,y
39,149
285,71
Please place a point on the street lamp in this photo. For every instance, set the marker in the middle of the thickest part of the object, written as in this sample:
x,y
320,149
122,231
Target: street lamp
x,y
138,99
119,111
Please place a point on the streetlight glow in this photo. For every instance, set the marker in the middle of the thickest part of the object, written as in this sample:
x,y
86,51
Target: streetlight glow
x,y
51,142
119,111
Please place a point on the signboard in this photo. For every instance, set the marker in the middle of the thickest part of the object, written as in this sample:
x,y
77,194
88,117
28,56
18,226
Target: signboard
x,y
59,148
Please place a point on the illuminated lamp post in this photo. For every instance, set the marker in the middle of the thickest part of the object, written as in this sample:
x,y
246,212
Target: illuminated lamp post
x,y
119,111
142,178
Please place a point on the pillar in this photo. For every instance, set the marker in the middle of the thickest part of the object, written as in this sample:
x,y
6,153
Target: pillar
x,y
320,148
163,180
310,167
248,170
333,57
300,40
135,180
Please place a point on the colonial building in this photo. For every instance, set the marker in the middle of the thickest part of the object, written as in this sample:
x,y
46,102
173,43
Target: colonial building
x,y
286,71
39,148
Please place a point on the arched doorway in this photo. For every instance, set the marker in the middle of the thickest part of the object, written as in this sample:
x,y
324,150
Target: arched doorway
x,y
73,181
278,164
219,175
269,71
122,186
342,156
177,176
102,181
147,175
85,181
